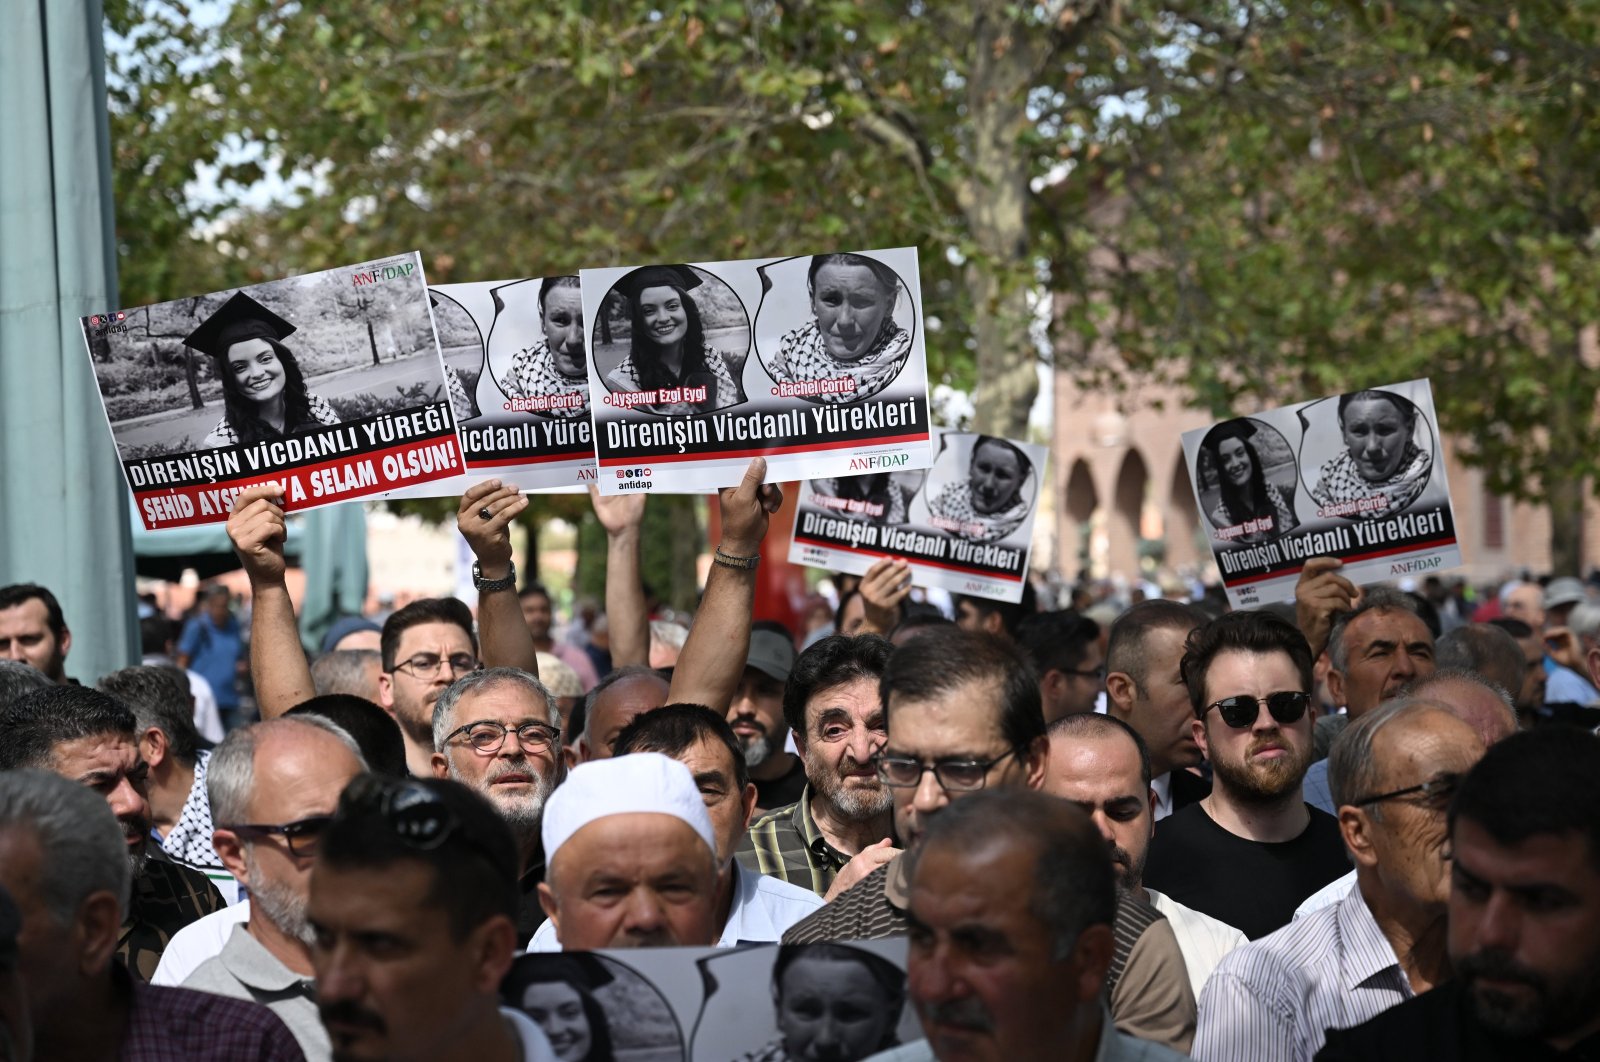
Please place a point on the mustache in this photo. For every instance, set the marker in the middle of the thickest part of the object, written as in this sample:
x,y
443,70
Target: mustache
x,y
1498,966
349,1012
961,1013
517,765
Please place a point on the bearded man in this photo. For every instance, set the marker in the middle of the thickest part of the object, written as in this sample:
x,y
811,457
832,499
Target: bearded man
x,y
1253,849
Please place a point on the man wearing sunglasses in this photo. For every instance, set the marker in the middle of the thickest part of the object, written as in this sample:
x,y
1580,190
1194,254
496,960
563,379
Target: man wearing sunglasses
x,y
1253,849
273,787
495,732
1393,773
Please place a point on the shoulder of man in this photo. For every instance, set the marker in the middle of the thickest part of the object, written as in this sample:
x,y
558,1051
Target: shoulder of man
x,y
1425,1026
1152,999
861,912
188,1024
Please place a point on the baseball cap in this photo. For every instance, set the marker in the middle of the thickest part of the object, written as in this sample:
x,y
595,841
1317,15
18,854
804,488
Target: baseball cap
x,y
771,654
1564,591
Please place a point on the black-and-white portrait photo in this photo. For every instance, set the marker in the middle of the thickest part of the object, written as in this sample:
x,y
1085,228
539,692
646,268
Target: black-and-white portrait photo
x,y
535,349
843,322
880,497
801,1003
1382,454
461,343
676,329
982,488
1247,478
268,362
594,1009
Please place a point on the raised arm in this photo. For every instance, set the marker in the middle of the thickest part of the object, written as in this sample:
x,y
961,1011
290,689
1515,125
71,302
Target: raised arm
x,y
503,633
1320,594
884,590
712,661
627,618
277,659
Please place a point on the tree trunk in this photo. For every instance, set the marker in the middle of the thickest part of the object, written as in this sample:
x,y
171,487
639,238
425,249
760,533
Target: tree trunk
x,y
1566,498
193,378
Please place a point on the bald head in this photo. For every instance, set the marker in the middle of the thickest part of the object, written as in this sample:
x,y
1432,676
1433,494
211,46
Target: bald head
x,y
619,699
1483,706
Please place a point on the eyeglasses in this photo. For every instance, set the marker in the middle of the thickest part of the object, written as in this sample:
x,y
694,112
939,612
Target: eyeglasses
x,y
955,776
425,664
416,814
1241,711
1093,672
488,736
1436,793
300,836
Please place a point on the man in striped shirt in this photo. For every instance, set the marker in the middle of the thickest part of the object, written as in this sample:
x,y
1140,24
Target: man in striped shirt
x,y
1393,772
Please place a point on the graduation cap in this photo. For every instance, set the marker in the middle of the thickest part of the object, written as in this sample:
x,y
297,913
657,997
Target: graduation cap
x,y
238,319
657,276
1241,428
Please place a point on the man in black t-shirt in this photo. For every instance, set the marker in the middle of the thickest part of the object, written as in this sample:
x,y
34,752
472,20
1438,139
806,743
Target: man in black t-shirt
x,y
1252,850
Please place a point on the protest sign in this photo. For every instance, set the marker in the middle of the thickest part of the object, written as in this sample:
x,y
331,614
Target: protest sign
x,y
716,1004
514,359
815,363
966,525
1359,477
329,384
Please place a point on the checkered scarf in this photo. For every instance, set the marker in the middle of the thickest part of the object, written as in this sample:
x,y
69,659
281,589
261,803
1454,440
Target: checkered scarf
x,y
533,372
321,413
625,377
954,503
1340,482
803,356
1283,517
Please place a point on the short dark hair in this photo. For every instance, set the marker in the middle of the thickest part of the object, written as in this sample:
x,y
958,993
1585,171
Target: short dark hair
x,y
18,593
1094,725
155,631
423,610
1057,641
33,725
1074,886
373,730
18,679
1518,629
160,698
475,866
1011,613
1373,599
1535,783
1485,649
673,729
1249,631
830,662
535,590
1128,643
944,659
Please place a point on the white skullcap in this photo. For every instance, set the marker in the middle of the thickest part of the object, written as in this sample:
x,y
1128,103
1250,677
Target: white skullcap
x,y
638,783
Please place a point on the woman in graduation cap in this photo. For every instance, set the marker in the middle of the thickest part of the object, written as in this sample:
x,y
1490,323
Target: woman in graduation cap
x,y
264,396
557,991
1245,493
668,347
852,332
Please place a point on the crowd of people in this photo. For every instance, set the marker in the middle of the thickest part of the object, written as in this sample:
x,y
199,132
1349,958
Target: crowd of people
x,y
1364,826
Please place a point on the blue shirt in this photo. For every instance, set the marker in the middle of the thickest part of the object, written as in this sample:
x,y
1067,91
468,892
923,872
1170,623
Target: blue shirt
x,y
214,652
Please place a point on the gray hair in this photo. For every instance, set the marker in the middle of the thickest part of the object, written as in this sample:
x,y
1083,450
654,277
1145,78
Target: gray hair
x,y
1483,650
160,698
80,841
18,679
345,671
1417,687
1352,764
1373,599
1584,620
231,771
670,634
444,709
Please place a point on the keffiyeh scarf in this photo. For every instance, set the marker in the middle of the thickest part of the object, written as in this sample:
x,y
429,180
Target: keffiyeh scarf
x,y
1340,484
803,356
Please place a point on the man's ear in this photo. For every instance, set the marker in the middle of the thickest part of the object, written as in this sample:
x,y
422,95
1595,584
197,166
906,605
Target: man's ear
x,y
992,623
492,946
1197,728
569,756
552,910
1355,826
1336,686
230,849
1092,954
1593,657
441,764
64,643
153,746
96,932
1120,693
749,802
386,691
1035,760
799,742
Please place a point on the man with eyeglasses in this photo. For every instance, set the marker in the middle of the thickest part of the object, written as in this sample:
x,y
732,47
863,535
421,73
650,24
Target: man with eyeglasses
x,y
495,732
1069,659
1253,849
273,787
413,914
1393,772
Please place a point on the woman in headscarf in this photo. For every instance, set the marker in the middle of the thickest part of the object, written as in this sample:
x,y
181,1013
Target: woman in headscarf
x,y
1382,470
1245,493
264,395
993,501
553,366
852,333
557,992
668,347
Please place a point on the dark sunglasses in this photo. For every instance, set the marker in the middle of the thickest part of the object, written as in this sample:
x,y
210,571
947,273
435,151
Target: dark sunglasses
x,y
1242,710
1434,794
413,812
300,836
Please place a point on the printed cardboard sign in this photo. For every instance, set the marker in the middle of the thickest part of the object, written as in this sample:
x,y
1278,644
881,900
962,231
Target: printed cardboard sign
x,y
1359,476
814,362
966,525
329,384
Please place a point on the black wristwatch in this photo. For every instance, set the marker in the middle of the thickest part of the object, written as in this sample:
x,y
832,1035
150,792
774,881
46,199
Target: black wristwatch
x,y
486,585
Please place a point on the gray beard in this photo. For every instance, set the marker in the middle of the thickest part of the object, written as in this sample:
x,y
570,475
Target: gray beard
x,y
853,805
757,750
277,902
524,813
